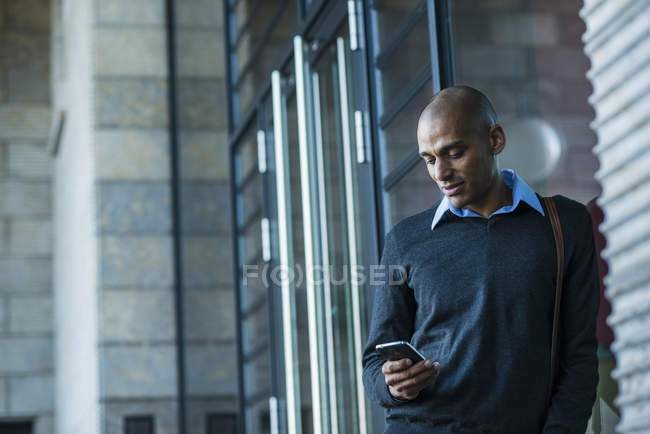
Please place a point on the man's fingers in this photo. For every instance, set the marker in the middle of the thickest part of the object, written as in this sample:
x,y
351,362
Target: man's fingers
x,y
415,370
416,383
393,366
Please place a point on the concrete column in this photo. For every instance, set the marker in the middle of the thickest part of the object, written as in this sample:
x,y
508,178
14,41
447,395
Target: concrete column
x,y
75,246
617,42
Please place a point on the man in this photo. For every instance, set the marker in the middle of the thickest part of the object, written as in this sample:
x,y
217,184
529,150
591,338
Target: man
x,y
478,291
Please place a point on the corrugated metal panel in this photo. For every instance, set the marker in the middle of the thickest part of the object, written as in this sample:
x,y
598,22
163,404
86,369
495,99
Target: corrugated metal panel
x,y
617,42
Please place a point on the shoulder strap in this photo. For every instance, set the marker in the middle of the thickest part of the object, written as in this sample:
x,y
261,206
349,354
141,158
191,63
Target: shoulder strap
x,y
559,247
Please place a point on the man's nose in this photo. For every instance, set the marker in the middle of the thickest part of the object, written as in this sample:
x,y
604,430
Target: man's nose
x,y
441,170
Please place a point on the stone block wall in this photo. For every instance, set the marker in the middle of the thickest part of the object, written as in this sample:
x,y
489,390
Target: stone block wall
x,y
126,198
136,312
135,302
26,317
208,300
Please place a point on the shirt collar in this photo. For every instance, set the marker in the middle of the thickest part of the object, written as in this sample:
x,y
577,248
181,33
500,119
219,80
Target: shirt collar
x,y
520,192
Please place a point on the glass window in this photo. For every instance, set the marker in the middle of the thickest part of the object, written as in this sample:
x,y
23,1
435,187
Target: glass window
x,y
246,159
415,192
252,287
255,326
391,14
257,369
262,30
401,64
399,138
402,54
251,201
527,57
401,47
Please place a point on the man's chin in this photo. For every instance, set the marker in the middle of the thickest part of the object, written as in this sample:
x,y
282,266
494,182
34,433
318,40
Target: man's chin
x,y
457,201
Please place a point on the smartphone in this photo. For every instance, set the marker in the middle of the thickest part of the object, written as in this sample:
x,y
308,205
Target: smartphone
x,y
399,350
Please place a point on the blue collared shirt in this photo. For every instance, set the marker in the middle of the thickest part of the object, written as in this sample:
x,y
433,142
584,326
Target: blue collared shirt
x,y
520,192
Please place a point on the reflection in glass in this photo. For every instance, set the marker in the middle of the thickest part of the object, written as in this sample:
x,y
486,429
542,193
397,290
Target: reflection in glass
x,y
402,49
257,372
391,15
247,154
263,30
511,52
251,247
399,139
251,200
253,294
415,192
402,66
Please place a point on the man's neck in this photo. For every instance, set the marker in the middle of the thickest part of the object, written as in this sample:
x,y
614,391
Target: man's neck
x,y
497,196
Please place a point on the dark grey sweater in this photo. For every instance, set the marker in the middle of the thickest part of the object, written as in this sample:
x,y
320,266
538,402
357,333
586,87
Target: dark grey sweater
x,y
478,298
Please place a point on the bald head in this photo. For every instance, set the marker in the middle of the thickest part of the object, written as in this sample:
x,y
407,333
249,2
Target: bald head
x,y
468,106
459,139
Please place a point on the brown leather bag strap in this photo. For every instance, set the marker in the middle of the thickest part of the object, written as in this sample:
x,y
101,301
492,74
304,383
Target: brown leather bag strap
x,y
559,247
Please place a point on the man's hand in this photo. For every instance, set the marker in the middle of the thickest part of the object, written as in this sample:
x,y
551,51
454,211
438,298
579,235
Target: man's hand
x,y
405,380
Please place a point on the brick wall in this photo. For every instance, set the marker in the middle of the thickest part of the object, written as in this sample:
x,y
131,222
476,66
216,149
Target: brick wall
x,y
26,323
526,55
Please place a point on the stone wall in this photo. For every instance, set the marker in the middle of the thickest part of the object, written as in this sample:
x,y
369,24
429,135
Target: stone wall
x,y
128,285
137,336
208,302
26,324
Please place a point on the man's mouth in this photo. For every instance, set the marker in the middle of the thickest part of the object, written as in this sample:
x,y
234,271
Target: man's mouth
x,y
452,189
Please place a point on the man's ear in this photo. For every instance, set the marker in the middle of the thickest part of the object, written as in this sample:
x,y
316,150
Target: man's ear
x,y
497,139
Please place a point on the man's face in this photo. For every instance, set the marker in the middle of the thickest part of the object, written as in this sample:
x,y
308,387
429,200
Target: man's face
x,y
458,157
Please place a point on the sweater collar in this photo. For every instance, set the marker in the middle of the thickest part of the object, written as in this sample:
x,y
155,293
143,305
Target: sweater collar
x,y
520,192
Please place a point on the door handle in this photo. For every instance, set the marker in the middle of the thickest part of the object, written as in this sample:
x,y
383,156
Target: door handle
x,y
352,231
307,223
285,240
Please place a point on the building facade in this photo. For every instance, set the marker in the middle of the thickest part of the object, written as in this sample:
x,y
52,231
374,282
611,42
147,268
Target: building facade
x,y
116,295
172,170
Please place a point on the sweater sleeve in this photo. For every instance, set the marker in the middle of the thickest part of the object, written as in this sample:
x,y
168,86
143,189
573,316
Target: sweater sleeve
x,y
393,319
577,374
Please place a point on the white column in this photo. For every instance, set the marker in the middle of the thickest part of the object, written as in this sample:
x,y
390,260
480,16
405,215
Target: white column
x,y
75,245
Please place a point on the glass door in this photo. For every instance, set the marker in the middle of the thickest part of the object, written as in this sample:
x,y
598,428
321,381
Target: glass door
x,y
322,182
253,307
338,198
295,223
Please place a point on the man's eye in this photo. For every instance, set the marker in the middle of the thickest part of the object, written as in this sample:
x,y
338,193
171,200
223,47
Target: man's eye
x,y
457,155
430,161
